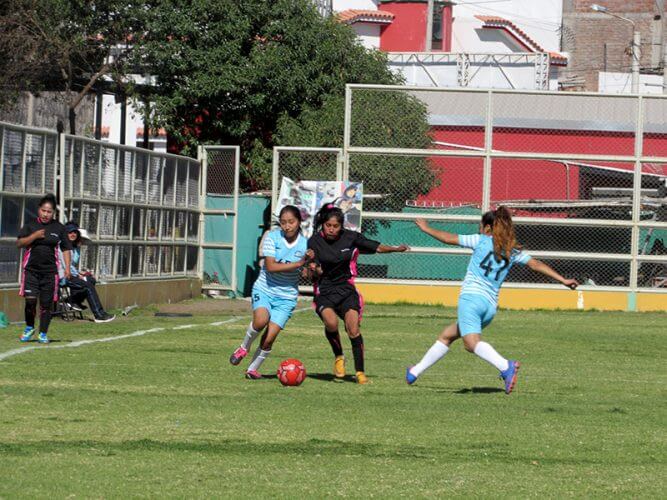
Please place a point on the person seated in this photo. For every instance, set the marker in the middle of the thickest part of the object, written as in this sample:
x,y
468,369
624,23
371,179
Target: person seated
x,y
81,284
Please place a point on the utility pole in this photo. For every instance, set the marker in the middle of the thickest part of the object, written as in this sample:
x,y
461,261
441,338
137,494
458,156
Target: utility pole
x,y
636,57
636,45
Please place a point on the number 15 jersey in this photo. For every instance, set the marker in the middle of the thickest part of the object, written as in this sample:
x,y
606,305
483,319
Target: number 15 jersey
x,y
485,275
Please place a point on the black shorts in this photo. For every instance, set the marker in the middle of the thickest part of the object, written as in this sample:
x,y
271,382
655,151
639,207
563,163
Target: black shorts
x,y
42,285
341,299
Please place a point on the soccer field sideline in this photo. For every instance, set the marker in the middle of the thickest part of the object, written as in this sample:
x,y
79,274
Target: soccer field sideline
x,y
139,333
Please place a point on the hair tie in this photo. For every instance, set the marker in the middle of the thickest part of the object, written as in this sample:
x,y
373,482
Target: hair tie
x,y
330,205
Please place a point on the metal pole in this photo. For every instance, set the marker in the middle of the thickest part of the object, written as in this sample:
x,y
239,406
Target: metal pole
x,y
429,26
636,196
237,155
202,156
61,177
347,131
636,57
488,147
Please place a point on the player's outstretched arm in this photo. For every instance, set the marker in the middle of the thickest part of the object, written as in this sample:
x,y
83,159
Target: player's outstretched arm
x,y
390,249
272,266
444,236
541,267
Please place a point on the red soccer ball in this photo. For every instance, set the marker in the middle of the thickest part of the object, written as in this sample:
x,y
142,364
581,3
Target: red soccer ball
x,y
291,372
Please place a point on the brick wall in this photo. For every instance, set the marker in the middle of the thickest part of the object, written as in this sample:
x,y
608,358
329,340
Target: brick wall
x,y
585,34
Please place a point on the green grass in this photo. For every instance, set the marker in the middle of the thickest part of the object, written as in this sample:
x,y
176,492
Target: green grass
x,y
166,415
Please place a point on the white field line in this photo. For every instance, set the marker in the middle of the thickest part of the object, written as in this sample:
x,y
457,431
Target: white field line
x,y
79,343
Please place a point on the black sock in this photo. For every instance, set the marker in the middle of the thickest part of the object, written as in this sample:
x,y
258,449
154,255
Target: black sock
x,y
44,318
334,340
358,352
30,311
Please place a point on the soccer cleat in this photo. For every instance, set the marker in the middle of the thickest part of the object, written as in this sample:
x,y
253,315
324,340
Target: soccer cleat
x,y
339,367
409,377
237,356
253,375
509,376
27,334
105,318
362,379
43,339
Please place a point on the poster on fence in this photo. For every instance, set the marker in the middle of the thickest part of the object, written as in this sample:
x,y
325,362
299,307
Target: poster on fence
x,y
309,196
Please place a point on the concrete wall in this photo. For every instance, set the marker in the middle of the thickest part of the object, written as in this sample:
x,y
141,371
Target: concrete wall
x,y
46,108
369,34
538,19
117,295
339,5
586,33
516,298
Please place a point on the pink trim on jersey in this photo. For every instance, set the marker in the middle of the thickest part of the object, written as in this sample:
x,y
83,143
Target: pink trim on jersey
x,y
55,288
353,266
26,258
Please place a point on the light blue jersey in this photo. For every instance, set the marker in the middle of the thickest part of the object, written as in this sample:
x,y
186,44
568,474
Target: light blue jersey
x,y
282,285
485,276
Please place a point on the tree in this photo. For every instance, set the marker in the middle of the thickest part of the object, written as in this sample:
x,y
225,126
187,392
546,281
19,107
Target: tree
x,y
380,118
65,45
227,71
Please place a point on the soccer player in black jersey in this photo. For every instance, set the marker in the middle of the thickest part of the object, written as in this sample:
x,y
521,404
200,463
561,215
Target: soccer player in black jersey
x,y
334,251
41,238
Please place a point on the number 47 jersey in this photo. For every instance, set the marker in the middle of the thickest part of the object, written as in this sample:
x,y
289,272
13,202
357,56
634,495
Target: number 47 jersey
x,y
485,275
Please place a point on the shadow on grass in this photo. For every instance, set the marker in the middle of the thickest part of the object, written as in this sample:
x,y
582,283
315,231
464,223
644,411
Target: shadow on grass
x,y
314,447
329,377
465,390
479,390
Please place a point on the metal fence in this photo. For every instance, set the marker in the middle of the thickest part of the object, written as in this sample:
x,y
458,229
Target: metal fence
x,y
219,207
304,163
585,174
28,158
141,208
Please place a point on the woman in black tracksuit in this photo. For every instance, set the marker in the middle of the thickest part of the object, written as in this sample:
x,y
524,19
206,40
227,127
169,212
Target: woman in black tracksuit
x,y
334,251
41,238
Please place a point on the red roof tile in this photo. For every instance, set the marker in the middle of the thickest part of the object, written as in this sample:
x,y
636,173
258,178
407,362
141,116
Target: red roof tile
x,y
521,36
352,16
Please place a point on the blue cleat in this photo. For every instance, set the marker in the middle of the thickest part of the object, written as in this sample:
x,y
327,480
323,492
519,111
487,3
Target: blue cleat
x,y
409,377
509,376
43,339
27,334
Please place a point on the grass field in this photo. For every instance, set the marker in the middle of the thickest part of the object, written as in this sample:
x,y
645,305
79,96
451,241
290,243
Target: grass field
x,y
165,414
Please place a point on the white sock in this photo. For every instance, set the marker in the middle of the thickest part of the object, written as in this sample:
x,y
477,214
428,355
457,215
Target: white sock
x,y
432,356
258,359
250,336
489,354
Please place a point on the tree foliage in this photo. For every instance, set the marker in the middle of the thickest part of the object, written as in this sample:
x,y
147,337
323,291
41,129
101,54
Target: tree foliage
x,y
65,45
380,118
228,71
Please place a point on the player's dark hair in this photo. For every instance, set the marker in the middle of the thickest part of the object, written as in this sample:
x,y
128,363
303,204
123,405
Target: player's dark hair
x,y
69,224
327,212
48,198
502,230
294,210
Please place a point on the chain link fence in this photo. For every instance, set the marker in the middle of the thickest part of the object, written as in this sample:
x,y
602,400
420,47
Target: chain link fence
x,y
28,171
141,209
585,176
219,208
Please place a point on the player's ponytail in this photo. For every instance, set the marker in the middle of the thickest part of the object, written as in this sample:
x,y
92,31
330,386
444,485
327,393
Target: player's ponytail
x,y
327,212
504,236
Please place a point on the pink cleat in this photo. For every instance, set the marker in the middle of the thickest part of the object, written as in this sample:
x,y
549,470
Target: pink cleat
x,y
253,375
237,356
